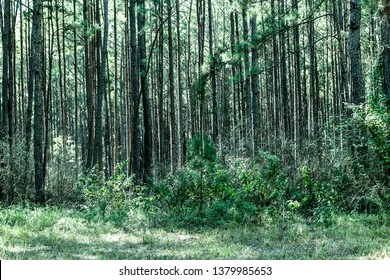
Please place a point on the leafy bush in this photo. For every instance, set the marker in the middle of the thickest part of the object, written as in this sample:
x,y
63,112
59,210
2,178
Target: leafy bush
x,y
210,191
16,171
103,198
62,173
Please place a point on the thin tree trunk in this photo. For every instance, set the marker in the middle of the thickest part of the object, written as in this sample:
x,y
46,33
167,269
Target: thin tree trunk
x,y
61,85
181,132
246,97
338,15
213,81
234,74
98,148
385,30
160,91
255,89
134,77
76,105
172,117
116,112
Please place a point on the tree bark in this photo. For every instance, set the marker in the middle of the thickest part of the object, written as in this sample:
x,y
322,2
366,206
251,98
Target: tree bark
x,y
357,80
98,148
144,93
134,88
89,55
181,132
116,109
385,30
213,82
36,49
255,89
246,95
75,69
172,116
6,83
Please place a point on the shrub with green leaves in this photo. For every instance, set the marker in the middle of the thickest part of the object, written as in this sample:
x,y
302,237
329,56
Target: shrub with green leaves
x,y
105,198
210,190
16,171
313,198
62,172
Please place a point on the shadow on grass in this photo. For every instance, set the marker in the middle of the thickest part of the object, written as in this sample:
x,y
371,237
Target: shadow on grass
x,y
296,241
49,234
43,247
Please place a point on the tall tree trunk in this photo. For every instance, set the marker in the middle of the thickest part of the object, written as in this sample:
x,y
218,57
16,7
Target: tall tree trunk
x,y
6,85
30,90
357,82
89,54
200,11
134,88
76,104
357,144
190,88
172,111
385,30
116,109
144,94
298,125
240,89
6,108
275,80
36,49
246,95
65,103
98,148
61,84
160,92
48,98
181,133
213,76
255,88
283,80
234,74
338,15
313,76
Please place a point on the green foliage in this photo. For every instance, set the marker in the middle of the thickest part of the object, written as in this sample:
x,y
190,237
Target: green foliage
x,y
16,171
312,198
201,150
103,198
233,191
200,85
62,173
366,168
262,182
376,117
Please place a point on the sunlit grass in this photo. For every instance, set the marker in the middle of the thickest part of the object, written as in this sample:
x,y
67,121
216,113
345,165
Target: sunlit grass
x,y
47,233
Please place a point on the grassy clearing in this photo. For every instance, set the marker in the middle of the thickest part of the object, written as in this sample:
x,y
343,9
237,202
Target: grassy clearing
x,y
47,233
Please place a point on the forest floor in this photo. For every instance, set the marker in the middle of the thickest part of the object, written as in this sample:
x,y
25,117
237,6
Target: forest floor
x,y
47,233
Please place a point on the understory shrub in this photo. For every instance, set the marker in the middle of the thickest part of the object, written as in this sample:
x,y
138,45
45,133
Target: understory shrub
x,y
62,173
103,198
211,191
16,171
